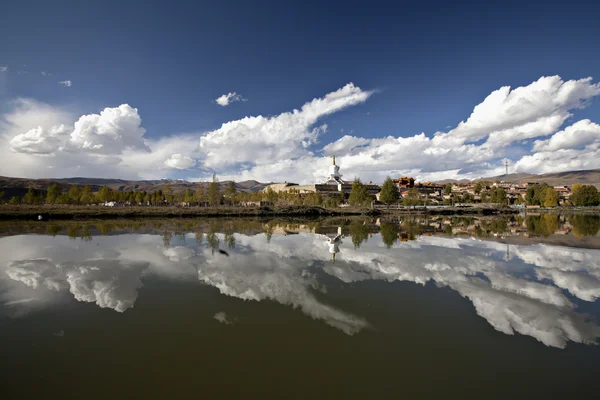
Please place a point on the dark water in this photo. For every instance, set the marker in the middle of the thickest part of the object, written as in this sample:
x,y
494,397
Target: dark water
x,y
419,308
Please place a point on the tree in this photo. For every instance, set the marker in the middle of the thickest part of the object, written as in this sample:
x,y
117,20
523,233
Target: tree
x,y
530,195
200,194
214,193
585,196
188,196
478,187
168,193
389,192
313,199
31,197
448,189
359,195
550,197
74,194
498,195
53,193
86,195
411,198
13,200
270,195
105,194
138,197
231,192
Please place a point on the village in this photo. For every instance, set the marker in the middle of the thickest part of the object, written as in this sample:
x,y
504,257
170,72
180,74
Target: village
x,y
407,192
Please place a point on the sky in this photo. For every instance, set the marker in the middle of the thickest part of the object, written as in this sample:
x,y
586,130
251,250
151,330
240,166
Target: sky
x,y
270,91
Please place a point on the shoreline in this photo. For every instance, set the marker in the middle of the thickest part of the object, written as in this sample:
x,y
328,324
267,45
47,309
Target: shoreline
x,y
54,212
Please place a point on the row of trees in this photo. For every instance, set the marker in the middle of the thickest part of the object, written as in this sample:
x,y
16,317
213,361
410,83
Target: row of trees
x,y
584,195
541,195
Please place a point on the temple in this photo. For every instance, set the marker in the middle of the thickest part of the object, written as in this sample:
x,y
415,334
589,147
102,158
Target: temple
x,y
334,177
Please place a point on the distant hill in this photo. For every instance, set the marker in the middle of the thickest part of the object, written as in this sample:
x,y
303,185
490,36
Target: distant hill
x,y
19,186
587,177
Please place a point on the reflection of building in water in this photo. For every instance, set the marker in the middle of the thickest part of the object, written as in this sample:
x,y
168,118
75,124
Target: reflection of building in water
x,y
334,243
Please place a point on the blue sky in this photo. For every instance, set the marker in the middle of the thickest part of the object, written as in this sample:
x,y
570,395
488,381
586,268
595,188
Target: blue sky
x,y
418,69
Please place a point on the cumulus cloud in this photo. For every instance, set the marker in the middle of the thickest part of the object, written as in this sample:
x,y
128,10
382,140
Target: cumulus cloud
x,y
66,83
3,68
179,161
288,146
262,140
40,141
44,73
580,134
229,98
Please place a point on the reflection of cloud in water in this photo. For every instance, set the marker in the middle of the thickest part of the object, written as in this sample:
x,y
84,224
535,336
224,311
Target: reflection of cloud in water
x,y
535,293
37,272
510,304
222,318
261,276
178,253
107,283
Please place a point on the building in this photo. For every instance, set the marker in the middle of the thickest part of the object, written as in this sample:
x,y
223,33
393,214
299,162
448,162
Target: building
x,y
334,177
404,182
332,184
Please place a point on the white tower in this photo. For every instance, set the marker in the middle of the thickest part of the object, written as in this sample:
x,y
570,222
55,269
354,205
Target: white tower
x,y
334,176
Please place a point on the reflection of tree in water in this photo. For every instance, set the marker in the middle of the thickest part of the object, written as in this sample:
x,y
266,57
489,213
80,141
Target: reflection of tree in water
x,y
542,225
497,226
448,229
230,240
268,229
213,241
180,236
199,237
73,231
585,225
359,233
105,227
53,229
85,234
389,233
412,229
166,237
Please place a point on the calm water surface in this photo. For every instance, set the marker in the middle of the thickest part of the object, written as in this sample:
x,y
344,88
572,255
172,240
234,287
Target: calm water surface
x,y
434,307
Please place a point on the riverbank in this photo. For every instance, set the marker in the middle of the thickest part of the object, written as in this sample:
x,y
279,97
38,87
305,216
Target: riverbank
x,y
61,212
58,212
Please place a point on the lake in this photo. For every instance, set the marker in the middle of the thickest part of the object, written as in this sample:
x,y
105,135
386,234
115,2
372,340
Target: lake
x,y
419,307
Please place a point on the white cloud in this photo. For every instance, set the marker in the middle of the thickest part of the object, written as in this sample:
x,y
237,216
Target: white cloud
x,y
229,98
44,73
110,132
288,146
262,140
581,133
179,161
3,68
66,83
40,141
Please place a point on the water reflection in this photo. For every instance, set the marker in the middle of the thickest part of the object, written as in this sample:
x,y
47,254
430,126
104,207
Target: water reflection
x,y
534,289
